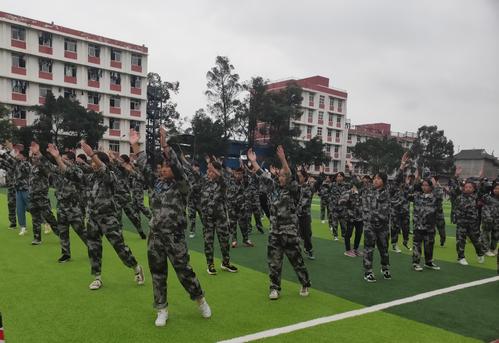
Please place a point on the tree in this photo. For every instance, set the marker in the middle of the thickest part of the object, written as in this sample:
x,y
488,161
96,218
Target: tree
x,y
65,122
208,135
6,127
379,155
433,150
223,92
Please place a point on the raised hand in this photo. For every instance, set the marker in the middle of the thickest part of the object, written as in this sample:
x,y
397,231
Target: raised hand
x,y
86,148
52,150
251,155
34,149
280,152
133,137
349,165
459,170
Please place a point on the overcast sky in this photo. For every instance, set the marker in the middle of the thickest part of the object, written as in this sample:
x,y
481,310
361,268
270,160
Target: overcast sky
x,y
408,63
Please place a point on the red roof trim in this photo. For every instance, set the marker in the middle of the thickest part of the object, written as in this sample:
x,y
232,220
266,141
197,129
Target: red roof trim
x,y
65,30
305,83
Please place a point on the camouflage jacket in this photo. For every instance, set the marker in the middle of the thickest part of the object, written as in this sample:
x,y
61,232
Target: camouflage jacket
x,y
101,200
352,201
400,193
214,197
38,180
195,182
69,185
335,192
137,183
9,172
307,191
282,203
490,210
324,191
122,188
168,199
376,207
426,207
20,171
466,206
253,189
236,192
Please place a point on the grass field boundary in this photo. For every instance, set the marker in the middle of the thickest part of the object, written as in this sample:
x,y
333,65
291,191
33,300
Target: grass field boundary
x,y
355,313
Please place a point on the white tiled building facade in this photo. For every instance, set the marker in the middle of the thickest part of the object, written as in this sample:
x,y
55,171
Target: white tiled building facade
x,y
105,75
324,115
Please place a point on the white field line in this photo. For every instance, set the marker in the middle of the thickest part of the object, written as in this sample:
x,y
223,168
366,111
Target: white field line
x,y
354,313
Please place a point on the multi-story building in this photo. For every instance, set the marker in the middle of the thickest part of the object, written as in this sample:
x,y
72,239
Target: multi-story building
x,y
105,75
324,112
363,132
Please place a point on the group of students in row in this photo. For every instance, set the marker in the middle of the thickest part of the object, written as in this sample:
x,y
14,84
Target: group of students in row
x,y
92,196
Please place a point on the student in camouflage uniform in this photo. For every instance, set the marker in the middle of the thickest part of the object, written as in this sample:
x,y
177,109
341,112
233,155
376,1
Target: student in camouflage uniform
x,y
337,211
137,189
82,162
122,168
21,169
490,220
467,224
352,200
308,186
283,236
39,203
68,178
399,212
253,193
11,192
376,211
427,196
168,225
194,200
103,219
237,206
440,218
324,196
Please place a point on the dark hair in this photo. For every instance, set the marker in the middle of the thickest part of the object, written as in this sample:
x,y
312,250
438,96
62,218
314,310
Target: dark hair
x,y
70,155
341,173
239,170
470,181
368,177
304,173
383,177
83,157
125,158
216,165
103,157
428,181
195,163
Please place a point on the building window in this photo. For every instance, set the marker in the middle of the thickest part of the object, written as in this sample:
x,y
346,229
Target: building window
x,y
311,99
115,78
321,116
336,149
69,45
19,86
135,125
349,137
319,131
338,120
44,90
328,149
309,130
69,70
45,65
18,112
94,74
135,104
18,33
45,39
136,60
69,93
321,100
331,118
93,98
18,61
114,102
340,105
115,55
114,124
134,81
337,134
329,133
310,116
114,146
93,50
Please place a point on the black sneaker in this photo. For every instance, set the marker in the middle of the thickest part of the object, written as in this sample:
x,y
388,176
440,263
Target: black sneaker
x,y
442,244
64,258
369,277
36,242
142,235
310,255
211,270
431,265
386,274
13,227
261,230
228,267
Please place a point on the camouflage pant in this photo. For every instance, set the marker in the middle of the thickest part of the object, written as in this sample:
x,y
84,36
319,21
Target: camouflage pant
x,y
212,224
490,235
256,212
162,247
399,222
41,212
133,215
238,216
424,238
108,226
193,206
138,204
376,236
472,231
452,212
280,244
324,209
338,218
441,226
11,204
69,214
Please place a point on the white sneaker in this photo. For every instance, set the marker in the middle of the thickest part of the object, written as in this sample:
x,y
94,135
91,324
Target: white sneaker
x,y
463,262
162,317
192,235
481,259
274,294
47,229
396,249
323,221
304,291
205,309
139,275
23,231
417,268
335,238
490,253
95,285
